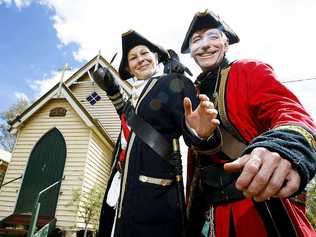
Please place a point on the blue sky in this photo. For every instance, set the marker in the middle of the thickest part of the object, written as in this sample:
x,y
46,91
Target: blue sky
x,y
30,50
37,37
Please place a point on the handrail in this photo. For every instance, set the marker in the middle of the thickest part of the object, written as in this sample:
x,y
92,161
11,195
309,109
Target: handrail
x,y
36,209
46,189
11,181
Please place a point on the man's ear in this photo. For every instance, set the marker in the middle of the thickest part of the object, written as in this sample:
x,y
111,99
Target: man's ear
x,y
226,45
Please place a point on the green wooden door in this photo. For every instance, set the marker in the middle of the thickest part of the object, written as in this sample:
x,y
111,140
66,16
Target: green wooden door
x,y
45,167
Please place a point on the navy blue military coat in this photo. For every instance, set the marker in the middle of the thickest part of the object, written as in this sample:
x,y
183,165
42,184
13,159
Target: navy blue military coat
x,y
146,209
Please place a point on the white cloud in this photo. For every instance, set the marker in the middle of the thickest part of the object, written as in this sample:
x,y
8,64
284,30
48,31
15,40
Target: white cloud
x,y
21,96
18,3
43,85
277,32
305,92
22,3
7,2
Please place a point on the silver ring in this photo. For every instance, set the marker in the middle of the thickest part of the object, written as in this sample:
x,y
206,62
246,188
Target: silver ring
x,y
257,158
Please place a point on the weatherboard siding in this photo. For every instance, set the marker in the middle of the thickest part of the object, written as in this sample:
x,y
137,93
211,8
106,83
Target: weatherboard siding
x,y
76,135
103,110
97,167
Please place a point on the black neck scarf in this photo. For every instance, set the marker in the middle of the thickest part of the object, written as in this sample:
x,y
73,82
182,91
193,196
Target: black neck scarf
x,y
208,81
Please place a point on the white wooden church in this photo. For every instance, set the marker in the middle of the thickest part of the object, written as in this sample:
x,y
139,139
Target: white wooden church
x,y
68,134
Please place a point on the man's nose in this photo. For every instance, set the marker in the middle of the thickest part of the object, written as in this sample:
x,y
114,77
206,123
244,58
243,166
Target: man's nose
x,y
205,43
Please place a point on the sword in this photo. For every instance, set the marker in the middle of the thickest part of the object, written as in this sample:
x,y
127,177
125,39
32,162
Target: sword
x,y
97,61
113,58
176,156
117,79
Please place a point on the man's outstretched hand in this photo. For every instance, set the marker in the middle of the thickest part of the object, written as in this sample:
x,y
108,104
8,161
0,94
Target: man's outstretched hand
x,y
203,118
264,174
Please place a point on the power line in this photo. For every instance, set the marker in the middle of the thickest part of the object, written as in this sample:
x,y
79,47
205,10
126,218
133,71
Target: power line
x,y
299,80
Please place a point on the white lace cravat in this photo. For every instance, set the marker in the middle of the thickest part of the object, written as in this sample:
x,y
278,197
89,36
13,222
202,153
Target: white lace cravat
x,y
138,85
137,89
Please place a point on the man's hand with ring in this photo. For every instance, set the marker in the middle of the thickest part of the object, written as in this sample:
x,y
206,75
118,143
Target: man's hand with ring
x,y
264,174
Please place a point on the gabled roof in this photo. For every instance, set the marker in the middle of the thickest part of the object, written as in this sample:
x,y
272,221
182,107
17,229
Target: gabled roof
x,y
89,66
62,91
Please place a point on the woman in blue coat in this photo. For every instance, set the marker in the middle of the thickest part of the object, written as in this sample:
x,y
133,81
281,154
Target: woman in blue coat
x,y
162,107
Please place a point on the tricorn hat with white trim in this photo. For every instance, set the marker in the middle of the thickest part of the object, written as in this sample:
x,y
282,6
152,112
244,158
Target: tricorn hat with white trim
x,y
204,20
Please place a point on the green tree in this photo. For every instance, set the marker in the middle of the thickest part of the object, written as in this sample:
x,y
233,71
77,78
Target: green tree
x,y
88,205
311,202
15,109
7,140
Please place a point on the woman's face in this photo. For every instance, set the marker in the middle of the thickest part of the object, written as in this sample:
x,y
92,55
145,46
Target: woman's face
x,y
142,63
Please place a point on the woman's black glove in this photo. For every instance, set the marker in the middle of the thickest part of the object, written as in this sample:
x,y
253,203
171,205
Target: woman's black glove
x,y
173,64
105,80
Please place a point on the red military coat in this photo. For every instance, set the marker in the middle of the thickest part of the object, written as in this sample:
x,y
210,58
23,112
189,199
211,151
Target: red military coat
x,y
250,102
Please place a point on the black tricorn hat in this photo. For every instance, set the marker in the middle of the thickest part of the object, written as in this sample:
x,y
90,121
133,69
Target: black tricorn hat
x,y
130,39
207,19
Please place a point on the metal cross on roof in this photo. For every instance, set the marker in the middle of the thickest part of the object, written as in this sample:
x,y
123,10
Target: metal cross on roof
x,y
65,68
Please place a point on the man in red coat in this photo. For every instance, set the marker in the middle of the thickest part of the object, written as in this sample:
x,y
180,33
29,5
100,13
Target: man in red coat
x,y
268,150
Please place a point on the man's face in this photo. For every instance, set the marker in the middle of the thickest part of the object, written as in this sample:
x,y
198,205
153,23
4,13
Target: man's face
x,y
208,48
142,63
